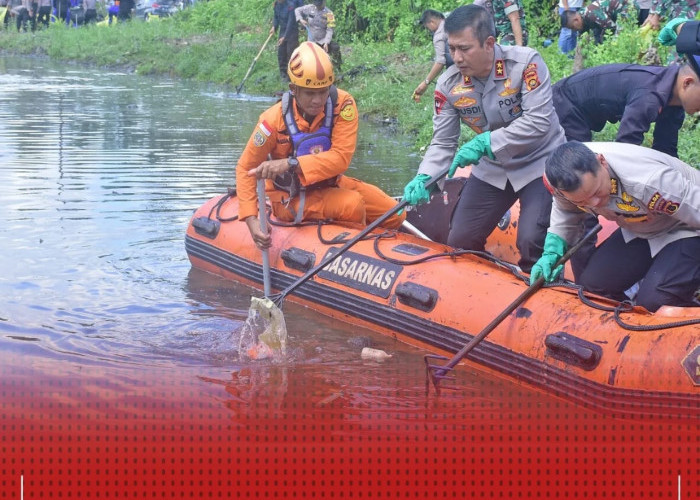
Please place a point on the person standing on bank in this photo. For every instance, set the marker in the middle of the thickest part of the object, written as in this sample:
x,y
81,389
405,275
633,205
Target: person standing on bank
x,y
654,199
319,22
504,95
434,22
303,145
90,8
284,20
44,15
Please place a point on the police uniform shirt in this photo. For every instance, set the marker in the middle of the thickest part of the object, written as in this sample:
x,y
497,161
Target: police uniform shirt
x,y
440,44
320,22
514,102
652,196
634,95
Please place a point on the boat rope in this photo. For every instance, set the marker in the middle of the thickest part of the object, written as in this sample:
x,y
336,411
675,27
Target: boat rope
x,y
617,310
627,306
453,253
230,193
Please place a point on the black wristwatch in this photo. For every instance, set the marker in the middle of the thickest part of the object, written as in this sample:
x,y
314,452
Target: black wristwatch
x,y
293,165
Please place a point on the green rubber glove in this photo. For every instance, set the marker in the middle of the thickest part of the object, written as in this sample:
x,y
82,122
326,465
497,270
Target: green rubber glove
x,y
554,249
471,152
667,35
415,191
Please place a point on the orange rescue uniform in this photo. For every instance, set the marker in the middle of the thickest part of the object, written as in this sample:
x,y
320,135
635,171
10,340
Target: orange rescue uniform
x,y
351,200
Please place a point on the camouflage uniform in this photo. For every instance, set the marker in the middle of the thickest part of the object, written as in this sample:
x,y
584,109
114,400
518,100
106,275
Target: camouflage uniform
x,y
500,9
668,9
602,15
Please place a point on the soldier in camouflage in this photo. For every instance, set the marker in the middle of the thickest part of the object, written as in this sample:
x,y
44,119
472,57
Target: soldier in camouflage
x,y
509,18
665,10
598,17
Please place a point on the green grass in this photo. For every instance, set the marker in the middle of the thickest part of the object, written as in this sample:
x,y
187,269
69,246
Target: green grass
x,y
216,41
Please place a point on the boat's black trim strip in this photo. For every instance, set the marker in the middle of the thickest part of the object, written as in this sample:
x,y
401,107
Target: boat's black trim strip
x,y
518,366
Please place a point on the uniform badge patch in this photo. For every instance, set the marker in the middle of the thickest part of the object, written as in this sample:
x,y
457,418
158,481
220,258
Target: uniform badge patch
x,y
506,88
348,112
464,102
461,89
440,101
626,203
531,78
468,81
258,138
515,111
500,69
660,204
261,134
613,186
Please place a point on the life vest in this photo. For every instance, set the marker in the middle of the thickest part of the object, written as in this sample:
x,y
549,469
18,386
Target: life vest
x,y
305,143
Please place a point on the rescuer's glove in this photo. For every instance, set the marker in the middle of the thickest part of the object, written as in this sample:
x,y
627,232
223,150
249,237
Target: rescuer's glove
x,y
471,152
415,191
554,249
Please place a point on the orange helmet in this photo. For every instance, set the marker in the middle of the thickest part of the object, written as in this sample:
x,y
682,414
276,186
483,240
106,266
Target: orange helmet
x,y
310,67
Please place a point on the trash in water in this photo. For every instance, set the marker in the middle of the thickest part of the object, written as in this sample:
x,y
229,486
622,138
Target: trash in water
x,y
264,334
375,354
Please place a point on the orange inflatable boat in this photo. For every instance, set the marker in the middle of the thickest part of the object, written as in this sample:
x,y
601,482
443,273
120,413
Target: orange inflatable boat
x,y
430,296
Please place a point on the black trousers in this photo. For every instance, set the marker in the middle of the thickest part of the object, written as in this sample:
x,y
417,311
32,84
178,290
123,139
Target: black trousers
x,y
22,19
642,16
482,205
90,16
670,278
334,53
284,52
44,15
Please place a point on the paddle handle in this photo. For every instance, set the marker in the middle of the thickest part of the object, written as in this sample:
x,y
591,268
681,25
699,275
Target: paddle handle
x,y
263,227
516,303
330,258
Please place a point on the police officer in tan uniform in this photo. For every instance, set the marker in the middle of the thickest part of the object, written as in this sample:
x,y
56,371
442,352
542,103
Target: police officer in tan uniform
x,y
654,199
504,95
319,22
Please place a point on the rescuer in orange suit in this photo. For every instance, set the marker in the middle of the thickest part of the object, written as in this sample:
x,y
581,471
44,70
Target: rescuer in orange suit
x,y
303,145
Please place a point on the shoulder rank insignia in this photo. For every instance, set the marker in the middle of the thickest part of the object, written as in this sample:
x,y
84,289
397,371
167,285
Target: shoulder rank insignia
x,y
499,68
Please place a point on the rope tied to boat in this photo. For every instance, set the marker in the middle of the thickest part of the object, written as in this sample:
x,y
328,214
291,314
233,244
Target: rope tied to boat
x,y
618,309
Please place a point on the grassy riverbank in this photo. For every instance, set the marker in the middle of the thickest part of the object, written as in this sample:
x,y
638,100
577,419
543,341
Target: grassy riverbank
x,y
217,40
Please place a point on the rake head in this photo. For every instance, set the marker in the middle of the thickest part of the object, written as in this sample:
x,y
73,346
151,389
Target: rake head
x,y
277,299
436,372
